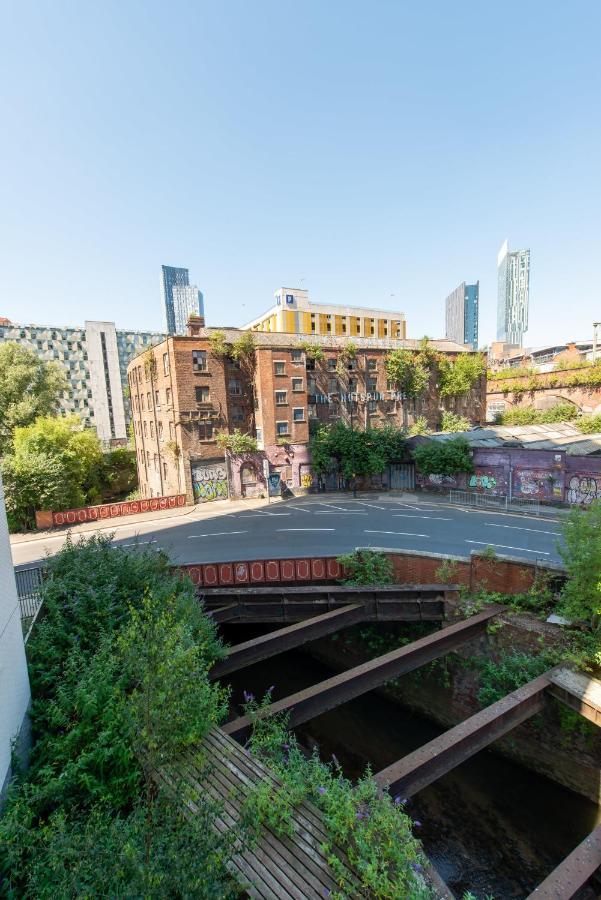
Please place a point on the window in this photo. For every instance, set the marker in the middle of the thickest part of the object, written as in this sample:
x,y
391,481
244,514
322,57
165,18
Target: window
x,y
332,385
329,324
156,463
199,360
148,459
164,470
279,368
312,386
312,324
157,399
234,363
344,327
281,428
352,365
166,363
352,385
205,431
298,414
248,476
145,430
237,414
168,396
235,387
297,356
372,385
297,384
280,398
372,406
331,363
170,431
202,393
152,429
372,364
259,435
160,427
310,364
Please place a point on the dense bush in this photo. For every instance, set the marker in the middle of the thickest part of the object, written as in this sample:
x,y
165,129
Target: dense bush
x,y
353,452
119,669
366,567
526,415
452,422
444,457
581,554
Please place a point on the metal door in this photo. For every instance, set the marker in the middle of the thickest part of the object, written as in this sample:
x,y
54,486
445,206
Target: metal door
x,y
402,477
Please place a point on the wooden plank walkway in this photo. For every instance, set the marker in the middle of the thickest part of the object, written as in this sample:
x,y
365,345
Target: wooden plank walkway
x,y
275,867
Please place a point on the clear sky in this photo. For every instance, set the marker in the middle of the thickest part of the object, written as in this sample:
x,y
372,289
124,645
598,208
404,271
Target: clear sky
x,y
381,151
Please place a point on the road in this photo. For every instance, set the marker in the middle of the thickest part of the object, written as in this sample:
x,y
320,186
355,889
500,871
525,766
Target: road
x,y
326,527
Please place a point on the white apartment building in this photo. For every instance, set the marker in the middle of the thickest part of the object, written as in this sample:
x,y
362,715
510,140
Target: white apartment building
x,y
14,680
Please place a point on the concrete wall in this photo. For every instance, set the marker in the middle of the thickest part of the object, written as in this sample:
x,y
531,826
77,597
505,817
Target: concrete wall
x,y
14,680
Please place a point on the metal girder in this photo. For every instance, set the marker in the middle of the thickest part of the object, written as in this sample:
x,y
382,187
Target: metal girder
x,y
225,613
573,873
579,691
420,768
267,645
321,697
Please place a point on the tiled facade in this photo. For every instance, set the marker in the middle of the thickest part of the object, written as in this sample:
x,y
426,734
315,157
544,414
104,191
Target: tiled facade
x,y
94,359
189,395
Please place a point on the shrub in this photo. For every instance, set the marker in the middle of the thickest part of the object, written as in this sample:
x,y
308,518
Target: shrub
x,y
366,567
237,443
409,373
420,426
581,554
453,422
460,376
444,457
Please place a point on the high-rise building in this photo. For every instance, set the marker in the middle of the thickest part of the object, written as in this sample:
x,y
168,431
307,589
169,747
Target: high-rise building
x,y
187,301
172,277
513,268
94,359
294,313
461,314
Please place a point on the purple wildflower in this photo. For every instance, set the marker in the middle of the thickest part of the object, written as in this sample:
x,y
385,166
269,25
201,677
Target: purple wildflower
x,y
416,867
359,815
417,824
248,696
321,790
286,747
400,800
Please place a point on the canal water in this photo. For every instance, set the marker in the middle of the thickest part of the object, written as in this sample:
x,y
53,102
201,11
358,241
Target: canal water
x,y
490,826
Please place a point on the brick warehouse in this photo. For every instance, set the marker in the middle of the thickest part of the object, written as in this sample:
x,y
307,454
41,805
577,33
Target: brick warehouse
x,y
185,391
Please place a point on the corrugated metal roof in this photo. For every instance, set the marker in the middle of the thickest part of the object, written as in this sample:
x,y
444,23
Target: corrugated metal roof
x,y
555,436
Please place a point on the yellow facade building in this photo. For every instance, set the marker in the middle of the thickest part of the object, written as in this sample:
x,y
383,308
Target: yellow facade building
x,y
294,313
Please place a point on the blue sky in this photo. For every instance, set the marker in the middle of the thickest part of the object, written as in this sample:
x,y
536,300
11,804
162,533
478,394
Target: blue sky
x,y
380,151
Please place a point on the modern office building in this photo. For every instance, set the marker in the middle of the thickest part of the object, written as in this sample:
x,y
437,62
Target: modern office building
x,y
171,277
187,301
14,680
94,359
195,394
294,313
513,269
461,314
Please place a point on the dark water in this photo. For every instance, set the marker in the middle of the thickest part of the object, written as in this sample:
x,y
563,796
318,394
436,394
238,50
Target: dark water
x,y
489,826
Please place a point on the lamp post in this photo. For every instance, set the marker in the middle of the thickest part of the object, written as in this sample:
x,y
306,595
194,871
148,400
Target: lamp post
x,y
595,326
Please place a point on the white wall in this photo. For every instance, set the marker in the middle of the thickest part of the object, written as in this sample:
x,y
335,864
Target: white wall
x,y
98,379
14,680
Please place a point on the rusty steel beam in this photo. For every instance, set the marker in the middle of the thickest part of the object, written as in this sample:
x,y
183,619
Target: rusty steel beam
x,y
420,768
321,697
573,873
267,645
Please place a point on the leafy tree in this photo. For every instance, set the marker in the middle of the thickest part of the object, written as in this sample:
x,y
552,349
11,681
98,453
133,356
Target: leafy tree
x,y
243,348
420,426
32,481
452,422
237,443
354,452
29,387
118,473
443,457
581,554
220,348
312,351
410,374
459,377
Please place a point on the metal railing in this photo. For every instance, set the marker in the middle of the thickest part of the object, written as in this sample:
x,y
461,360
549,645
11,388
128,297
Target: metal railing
x,y
29,584
490,501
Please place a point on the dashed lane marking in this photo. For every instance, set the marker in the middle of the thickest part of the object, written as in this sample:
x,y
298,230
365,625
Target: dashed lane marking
x,y
507,547
404,533
411,516
215,534
521,528
305,529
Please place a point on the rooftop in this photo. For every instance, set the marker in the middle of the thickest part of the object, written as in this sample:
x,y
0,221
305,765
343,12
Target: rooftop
x,y
558,436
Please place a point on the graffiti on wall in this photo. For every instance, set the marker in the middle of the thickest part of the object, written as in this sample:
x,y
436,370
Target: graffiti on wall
x,y
209,482
441,480
539,484
483,482
583,489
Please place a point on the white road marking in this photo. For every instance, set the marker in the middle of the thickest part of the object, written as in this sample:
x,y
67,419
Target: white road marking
x,y
137,543
332,505
407,506
373,505
507,547
215,534
519,528
260,515
405,533
331,512
305,529
411,516
301,508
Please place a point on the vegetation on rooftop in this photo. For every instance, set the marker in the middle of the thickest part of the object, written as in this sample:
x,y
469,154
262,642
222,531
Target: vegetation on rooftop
x,y
444,457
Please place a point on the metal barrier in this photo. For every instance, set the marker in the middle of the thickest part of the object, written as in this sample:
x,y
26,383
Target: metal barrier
x,y
29,583
471,498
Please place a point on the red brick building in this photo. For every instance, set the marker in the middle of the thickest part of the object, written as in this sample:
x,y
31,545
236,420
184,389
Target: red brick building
x,y
187,390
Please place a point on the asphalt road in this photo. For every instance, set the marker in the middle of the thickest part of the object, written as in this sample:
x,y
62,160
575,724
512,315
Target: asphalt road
x,y
327,527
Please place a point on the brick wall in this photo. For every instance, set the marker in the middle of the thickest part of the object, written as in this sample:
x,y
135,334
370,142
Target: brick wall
x,y
281,386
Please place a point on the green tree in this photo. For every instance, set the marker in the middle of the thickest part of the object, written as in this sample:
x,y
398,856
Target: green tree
x,y
29,387
33,481
352,451
452,422
458,377
409,373
443,457
237,443
581,554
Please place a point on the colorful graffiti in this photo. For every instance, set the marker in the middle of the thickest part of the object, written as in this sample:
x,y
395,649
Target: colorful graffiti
x,y
583,489
209,482
540,484
441,480
484,482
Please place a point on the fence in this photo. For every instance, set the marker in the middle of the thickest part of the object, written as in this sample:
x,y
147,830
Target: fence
x,y
29,583
471,498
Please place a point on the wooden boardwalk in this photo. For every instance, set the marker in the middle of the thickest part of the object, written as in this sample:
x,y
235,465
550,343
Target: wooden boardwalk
x,y
273,868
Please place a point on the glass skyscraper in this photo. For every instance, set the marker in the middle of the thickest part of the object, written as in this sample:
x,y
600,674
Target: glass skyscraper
x,y
187,301
513,268
461,314
172,277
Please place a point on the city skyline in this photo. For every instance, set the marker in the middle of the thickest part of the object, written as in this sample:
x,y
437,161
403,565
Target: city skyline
x,y
513,296
461,314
